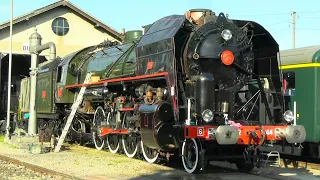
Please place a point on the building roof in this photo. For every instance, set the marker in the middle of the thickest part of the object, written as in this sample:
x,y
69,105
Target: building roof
x,y
63,3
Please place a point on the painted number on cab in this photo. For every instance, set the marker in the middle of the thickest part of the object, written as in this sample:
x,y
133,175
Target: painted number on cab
x,y
269,132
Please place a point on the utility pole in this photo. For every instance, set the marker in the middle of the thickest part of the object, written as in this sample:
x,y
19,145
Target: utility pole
x,y
294,30
9,73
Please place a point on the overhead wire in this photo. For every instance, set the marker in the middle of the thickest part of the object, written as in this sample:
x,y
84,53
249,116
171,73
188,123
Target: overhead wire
x,y
309,12
281,22
275,14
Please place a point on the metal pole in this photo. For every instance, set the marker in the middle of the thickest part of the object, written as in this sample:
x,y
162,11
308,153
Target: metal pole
x,y
294,113
189,112
35,40
294,30
32,125
9,72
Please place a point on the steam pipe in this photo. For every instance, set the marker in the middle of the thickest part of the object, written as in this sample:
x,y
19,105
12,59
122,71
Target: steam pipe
x,y
49,45
35,49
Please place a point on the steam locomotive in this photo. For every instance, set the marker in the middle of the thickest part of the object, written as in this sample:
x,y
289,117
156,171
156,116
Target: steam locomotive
x,y
189,86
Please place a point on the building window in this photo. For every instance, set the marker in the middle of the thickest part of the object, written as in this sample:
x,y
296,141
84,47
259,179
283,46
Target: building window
x,y
60,26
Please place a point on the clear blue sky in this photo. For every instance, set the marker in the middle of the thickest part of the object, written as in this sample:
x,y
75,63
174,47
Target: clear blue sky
x,y
274,15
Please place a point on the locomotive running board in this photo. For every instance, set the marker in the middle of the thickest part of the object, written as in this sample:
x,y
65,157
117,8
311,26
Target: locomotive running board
x,y
74,108
124,79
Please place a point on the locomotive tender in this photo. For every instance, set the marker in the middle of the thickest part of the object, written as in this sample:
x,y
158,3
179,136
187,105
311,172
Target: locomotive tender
x,y
183,87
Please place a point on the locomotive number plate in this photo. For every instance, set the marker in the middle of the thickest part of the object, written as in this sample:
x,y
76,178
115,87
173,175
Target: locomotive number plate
x,y
200,131
268,132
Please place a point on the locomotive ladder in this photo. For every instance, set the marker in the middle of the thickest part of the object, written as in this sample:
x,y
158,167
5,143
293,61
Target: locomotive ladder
x,y
74,108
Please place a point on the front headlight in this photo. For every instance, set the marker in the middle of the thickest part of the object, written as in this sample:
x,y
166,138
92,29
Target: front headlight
x,y
207,115
288,116
226,34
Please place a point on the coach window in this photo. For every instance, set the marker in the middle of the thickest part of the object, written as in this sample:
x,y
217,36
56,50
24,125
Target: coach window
x,y
289,83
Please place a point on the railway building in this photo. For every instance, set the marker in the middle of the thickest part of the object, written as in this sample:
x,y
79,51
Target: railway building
x,y
61,23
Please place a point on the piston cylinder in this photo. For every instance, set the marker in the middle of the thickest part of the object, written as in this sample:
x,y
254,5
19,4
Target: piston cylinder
x,y
157,126
205,92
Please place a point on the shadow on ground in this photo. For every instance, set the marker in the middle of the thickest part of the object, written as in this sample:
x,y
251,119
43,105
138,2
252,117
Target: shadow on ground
x,y
226,171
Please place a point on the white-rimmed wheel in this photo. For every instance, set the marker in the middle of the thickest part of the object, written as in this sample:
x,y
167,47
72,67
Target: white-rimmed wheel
x,y
149,154
99,117
129,142
190,155
113,140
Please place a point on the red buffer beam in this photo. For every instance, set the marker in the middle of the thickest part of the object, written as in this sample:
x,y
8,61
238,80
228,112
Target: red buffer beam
x,y
247,134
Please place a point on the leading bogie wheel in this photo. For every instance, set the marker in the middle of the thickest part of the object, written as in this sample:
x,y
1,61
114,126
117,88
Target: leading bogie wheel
x,y
190,155
113,140
99,117
149,154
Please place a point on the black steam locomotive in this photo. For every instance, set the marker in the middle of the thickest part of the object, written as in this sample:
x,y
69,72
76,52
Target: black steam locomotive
x,y
187,86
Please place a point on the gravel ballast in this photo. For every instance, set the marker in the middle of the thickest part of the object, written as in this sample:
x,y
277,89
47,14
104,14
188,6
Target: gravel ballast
x,y
89,163
9,171
86,163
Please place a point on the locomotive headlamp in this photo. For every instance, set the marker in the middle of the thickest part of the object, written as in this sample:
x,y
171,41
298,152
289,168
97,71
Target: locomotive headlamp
x,y
226,34
207,115
288,116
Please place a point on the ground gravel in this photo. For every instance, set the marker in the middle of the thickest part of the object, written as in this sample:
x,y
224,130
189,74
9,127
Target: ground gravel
x,y
9,171
86,163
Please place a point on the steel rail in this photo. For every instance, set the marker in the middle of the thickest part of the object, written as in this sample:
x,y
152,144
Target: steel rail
x,y
37,168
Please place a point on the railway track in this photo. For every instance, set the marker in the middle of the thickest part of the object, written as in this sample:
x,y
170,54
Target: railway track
x,y
300,162
35,168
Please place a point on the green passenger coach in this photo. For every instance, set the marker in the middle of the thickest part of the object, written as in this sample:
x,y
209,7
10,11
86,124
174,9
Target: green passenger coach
x,y
301,84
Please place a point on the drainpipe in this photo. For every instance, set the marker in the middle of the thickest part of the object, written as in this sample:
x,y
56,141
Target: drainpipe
x,y
35,49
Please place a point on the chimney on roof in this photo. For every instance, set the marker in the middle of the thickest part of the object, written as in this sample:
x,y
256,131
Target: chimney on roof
x,y
123,31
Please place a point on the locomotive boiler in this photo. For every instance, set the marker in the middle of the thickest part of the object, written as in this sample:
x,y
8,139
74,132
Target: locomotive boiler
x,y
183,87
